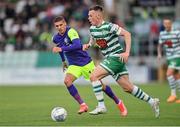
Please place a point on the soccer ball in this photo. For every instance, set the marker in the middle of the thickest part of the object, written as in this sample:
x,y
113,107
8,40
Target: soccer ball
x,y
58,114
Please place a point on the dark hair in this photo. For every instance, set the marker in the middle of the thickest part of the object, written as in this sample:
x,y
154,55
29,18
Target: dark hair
x,y
96,8
59,18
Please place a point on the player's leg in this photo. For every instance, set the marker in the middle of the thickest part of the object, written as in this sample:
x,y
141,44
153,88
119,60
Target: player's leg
x,y
107,89
118,70
172,84
68,81
95,77
109,66
177,78
97,88
127,86
72,74
173,67
89,68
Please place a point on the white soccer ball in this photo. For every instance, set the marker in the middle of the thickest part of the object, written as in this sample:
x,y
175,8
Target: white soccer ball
x,y
58,114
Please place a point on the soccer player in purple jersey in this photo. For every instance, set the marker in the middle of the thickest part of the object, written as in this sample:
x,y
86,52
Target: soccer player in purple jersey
x,y
68,44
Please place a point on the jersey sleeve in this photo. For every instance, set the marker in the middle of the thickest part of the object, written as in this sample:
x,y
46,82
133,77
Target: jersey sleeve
x,y
90,32
62,56
54,40
72,34
115,29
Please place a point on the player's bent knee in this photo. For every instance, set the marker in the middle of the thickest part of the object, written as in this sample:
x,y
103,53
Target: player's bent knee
x,y
67,82
169,74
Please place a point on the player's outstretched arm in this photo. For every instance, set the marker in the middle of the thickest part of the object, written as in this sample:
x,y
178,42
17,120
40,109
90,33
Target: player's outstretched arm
x,y
88,45
76,42
76,45
127,38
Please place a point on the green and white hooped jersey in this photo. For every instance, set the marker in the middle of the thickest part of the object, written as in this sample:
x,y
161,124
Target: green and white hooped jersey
x,y
106,37
171,43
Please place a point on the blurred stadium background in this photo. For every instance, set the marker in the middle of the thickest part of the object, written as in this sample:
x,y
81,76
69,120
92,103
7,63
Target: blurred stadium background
x,y
26,29
26,59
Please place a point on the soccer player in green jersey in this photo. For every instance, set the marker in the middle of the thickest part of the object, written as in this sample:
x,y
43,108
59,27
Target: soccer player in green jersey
x,y
170,40
106,36
69,47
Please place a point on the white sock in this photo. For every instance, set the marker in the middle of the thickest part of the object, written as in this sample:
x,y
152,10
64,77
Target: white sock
x,y
97,88
151,101
138,93
101,104
172,84
173,92
178,84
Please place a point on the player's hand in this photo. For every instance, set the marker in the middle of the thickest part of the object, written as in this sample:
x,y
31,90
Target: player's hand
x,y
56,49
65,66
86,47
124,57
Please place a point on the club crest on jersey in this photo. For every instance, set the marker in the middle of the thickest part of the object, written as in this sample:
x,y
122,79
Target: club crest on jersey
x,y
168,43
66,41
102,43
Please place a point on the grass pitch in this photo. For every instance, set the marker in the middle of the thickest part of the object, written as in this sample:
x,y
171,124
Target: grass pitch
x,y
32,105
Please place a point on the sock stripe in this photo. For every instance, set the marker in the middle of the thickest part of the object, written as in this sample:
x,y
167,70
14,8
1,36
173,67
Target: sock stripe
x,y
142,97
97,86
171,78
172,82
97,91
137,92
140,94
148,98
101,100
173,87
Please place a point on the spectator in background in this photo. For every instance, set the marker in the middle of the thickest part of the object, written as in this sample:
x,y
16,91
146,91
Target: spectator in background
x,y
20,35
153,37
2,40
33,15
45,38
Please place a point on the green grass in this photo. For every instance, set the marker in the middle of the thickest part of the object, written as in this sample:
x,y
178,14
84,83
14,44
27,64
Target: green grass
x,y
31,105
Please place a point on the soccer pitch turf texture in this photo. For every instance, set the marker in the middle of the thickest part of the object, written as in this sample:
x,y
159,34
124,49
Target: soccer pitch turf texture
x,y
32,105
